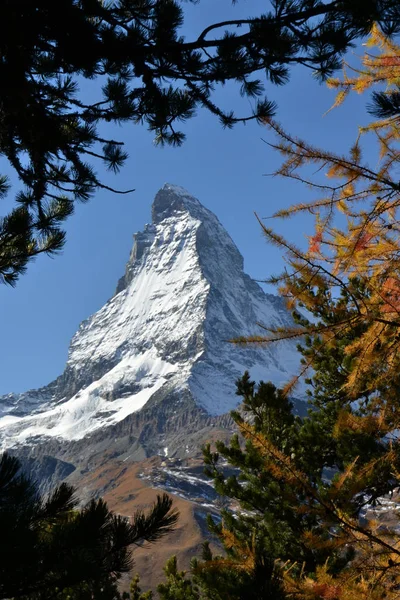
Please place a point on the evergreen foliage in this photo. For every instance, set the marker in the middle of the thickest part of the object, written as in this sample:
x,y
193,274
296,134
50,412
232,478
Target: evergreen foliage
x,y
299,488
51,549
265,514
136,592
271,523
177,586
302,489
348,280
357,254
212,578
149,74
301,523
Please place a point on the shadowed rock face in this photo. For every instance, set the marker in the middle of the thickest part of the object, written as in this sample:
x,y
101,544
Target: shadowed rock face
x,y
46,470
153,368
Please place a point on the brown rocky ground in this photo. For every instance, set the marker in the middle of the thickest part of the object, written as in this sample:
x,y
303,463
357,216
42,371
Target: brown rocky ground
x,y
127,488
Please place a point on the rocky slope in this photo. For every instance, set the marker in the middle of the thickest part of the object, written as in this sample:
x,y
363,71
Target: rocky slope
x,y
152,371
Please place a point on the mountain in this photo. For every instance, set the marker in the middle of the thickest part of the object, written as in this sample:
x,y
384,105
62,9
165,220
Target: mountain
x,y
153,368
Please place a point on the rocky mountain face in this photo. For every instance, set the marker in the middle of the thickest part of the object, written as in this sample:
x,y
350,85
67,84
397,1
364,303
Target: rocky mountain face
x,y
152,372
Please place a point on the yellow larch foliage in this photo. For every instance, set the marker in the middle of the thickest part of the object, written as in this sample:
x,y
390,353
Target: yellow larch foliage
x,y
374,572
354,250
367,246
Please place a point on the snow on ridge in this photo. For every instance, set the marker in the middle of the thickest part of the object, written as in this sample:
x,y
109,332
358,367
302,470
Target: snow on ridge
x,y
178,190
165,284
88,410
184,294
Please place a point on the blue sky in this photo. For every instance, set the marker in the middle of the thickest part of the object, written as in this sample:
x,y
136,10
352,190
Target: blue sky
x,y
225,169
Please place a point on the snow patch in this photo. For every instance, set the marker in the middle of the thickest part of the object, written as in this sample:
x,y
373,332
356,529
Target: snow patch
x,y
185,295
93,407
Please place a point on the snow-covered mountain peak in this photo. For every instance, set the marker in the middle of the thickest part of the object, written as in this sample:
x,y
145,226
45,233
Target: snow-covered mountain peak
x,y
162,335
175,212
171,199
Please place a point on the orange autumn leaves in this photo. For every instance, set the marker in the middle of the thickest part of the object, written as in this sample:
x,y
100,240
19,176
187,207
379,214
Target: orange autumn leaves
x,y
381,68
357,225
314,246
347,276
391,295
362,242
326,591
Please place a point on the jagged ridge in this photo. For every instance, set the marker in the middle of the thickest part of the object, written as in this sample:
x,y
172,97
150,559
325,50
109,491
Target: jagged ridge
x,y
183,295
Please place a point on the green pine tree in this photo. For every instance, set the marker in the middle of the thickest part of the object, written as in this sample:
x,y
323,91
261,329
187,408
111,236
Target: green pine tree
x,y
136,592
274,518
177,586
267,524
51,549
49,132
336,447
268,519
